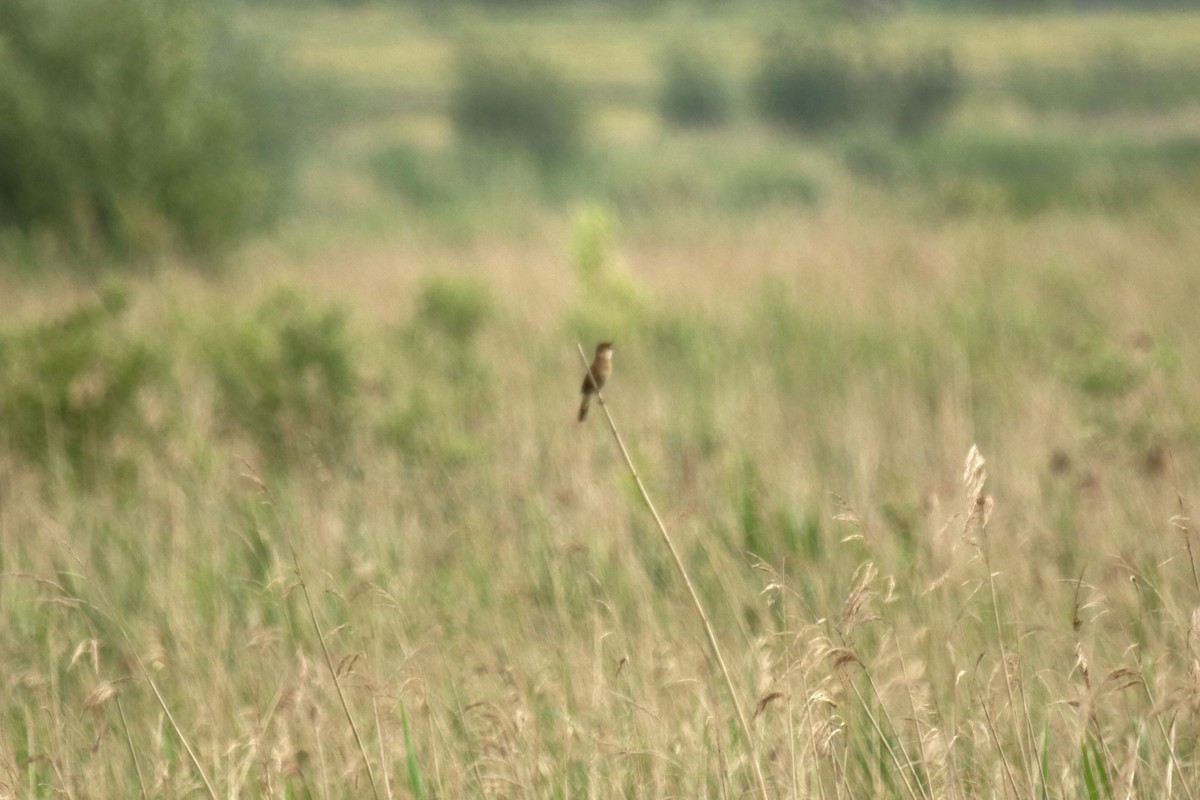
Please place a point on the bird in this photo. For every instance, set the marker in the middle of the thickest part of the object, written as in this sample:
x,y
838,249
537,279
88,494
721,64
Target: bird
x,y
596,376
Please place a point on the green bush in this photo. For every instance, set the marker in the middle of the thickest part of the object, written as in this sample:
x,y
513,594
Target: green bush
x,y
426,179
810,85
286,379
815,86
611,304
1017,6
926,90
129,126
514,100
455,307
877,158
757,184
69,388
442,391
694,92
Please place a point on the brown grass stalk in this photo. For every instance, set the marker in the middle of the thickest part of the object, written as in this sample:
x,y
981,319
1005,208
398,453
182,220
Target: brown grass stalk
x,y
1169,740
312,613
743,722
337,684
902,769
912,705
991,729
170,717
132,750
383,761
978,515
1004,666
162,702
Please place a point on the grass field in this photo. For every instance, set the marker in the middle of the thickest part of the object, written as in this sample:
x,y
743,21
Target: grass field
x,y
321,523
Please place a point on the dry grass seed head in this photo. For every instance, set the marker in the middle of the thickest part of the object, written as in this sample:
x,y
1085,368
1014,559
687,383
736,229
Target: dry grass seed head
x,y
1081,663
89,647
843,657
1193,686
104,691
157,658
1193,634
979,505
974,473
821,713
847,514
859,605
765,701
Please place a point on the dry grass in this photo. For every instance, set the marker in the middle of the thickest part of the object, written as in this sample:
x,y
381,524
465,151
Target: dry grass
x,y
799,391
517,608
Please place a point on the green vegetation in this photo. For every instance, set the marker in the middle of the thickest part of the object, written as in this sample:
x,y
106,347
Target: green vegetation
x,y
287,379
346,539
973,174
71,389
1114,80
694,91
818,84
468,522
135,127
515,100
814,85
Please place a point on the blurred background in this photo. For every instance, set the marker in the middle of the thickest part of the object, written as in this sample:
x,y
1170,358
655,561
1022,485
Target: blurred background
x,y
188,130
292,290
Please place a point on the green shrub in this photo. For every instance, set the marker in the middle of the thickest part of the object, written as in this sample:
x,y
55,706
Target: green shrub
x,y
69,388
810,85
694,91
758,184
455,307
442,391
286,379
610,304
460,191
1030,175
514,100
593,238
129,126
926,89
1013,6
814,86
424,178
874,157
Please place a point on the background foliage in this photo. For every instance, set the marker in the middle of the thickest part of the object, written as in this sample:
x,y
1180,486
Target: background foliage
x,y
136,126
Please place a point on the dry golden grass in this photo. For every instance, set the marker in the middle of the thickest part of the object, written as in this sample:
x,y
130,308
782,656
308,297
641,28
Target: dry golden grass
x,y
516,605
799,390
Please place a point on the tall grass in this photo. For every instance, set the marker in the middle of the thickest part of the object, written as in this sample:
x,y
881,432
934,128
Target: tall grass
x,y
497,613
931,476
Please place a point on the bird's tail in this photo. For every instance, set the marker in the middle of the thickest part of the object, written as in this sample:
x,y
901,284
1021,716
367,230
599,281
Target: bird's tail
x,y
583,407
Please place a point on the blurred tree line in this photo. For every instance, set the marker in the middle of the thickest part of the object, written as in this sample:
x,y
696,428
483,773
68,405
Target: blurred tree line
x,y
133,127
849,7
130,128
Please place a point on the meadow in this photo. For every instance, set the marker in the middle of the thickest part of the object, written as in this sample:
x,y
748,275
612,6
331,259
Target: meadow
x,y
920,414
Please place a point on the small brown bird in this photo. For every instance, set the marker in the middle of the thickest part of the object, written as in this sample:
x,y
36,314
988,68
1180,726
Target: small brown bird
x,y
597,376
